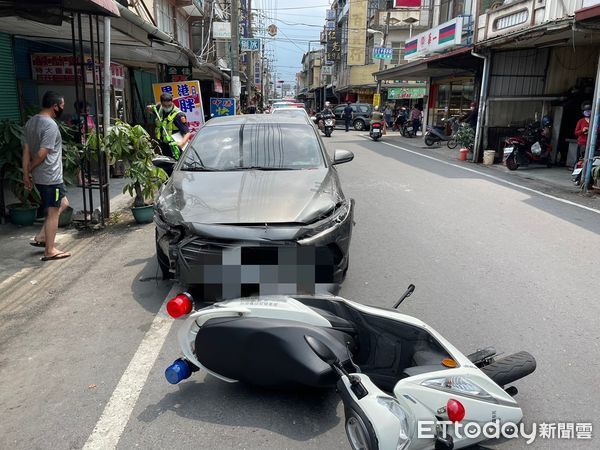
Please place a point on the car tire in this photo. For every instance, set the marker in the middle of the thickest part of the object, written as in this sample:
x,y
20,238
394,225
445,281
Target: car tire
x,y
359,125
163,260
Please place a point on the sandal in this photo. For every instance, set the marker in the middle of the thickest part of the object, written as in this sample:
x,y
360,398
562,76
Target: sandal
x,y
34,242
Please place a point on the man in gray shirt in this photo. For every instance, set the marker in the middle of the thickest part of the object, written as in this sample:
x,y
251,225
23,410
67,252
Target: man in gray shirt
x,y
42,165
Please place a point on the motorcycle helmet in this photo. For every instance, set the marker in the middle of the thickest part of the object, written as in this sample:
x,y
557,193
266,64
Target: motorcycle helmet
x,y
546,121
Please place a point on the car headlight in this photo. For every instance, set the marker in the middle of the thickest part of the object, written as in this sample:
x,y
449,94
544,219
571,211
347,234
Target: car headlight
x,y
337,216
394,407
459,385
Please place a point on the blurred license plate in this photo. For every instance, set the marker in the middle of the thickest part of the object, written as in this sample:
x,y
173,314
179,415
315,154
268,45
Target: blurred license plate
x,y
508,150
376,131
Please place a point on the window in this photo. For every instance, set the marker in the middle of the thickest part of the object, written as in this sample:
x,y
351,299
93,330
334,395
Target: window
x,y
183,30
266,145
398,53
164,16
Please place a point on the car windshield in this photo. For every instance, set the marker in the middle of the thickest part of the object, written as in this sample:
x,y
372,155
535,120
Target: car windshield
x,y
260,146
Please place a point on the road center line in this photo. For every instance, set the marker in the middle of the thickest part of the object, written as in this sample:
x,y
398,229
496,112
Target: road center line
x,y
114,418
509,183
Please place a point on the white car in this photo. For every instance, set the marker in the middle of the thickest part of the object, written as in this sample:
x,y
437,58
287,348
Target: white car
x,y
292,112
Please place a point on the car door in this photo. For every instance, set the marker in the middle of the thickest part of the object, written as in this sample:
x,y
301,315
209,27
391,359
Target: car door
x,y
339,115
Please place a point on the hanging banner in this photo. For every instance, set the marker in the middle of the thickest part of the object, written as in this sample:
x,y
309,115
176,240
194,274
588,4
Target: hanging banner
x,y
218,86
333,49
442,37
357,33
220,107
407,3
60,67
221,30
187,97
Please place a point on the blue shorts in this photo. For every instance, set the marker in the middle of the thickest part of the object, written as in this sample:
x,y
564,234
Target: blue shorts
x,y
51,194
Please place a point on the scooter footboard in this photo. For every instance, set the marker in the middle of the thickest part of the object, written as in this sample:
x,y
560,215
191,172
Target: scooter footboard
x,y
510,368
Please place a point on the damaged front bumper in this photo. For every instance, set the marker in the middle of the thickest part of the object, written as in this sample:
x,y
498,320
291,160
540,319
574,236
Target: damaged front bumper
x,y
281,256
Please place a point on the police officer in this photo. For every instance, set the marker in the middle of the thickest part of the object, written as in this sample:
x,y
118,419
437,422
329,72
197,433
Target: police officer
x,y
169,120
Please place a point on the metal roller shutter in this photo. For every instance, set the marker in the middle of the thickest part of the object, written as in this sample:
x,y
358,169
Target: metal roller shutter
x,y
9,106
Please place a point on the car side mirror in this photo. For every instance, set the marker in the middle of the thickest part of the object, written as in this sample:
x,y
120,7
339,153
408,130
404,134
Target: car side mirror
x,y
342,156
321,350
165,163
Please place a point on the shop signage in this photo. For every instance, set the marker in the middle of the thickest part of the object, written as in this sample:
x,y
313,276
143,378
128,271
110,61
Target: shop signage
x,y
330,14
179,73
444,36
326,70
59,67
257,75
272,29
218,86
376,99
406,92
249,45
407,3
357,32
330,25
333,49
187,97
383,53
220,107
221,30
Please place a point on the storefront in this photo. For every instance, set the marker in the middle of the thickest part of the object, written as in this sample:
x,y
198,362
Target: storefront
x,y
450,97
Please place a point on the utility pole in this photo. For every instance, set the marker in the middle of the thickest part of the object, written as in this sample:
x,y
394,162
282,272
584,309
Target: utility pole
x,y
236,86
250,57
386,30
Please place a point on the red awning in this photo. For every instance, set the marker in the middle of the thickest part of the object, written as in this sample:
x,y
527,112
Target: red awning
x,y
591,12
100,7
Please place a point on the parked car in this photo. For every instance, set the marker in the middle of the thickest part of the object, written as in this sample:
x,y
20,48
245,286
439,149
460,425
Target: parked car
x,y
362,115
292,112
277,105
245,187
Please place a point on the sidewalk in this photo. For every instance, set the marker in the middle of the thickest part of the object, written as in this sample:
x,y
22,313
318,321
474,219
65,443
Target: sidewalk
x,y
557,179
19,259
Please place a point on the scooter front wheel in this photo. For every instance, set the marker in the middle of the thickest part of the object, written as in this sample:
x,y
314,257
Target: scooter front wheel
x,y
452,144
511,163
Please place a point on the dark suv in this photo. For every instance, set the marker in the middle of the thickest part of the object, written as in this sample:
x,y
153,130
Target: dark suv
x,y
362,115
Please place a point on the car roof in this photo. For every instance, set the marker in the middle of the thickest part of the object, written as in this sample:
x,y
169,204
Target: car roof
x,y
255,118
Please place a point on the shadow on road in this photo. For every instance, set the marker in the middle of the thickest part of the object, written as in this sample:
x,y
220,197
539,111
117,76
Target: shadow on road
x,y
569,213
299,415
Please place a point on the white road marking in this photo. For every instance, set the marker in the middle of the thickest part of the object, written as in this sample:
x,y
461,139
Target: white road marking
x,y
114,418
501,180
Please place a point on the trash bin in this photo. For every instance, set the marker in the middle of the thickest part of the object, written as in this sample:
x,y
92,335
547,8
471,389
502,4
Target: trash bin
x,y
488,157
463,153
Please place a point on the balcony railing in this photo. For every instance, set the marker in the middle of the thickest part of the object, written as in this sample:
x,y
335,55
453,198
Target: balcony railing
x,y
401,18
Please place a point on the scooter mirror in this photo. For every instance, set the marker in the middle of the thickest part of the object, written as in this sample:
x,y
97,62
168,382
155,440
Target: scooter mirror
x,y
321,350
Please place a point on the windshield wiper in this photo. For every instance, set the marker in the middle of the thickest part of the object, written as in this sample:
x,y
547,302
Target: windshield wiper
x,y
262,168
195,166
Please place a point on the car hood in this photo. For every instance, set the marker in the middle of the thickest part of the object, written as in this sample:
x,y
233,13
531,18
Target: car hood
x,y
249,196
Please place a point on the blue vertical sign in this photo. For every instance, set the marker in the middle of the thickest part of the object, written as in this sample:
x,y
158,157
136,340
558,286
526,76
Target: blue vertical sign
x,y
220,107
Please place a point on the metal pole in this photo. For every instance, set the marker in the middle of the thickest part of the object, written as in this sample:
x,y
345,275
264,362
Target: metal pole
x,y
590,146
106,103
481,106
236,86
386,29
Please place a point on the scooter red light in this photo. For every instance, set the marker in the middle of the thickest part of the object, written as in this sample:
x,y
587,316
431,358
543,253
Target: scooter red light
x,y
180,305
455,409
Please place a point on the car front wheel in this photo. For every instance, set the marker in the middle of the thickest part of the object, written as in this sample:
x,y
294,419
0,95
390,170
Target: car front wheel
x,y
359,125
163,261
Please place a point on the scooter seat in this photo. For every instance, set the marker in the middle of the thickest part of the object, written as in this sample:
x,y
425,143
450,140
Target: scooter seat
x,y
269,352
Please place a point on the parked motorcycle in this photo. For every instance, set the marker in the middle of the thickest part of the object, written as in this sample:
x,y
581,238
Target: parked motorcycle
x,y
392,371
407,129
533,146
578,170
445,133
376,130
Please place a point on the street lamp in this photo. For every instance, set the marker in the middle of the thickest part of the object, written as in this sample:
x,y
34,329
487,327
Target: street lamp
x,y
410,21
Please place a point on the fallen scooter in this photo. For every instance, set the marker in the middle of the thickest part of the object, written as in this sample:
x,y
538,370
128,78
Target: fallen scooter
x,y
392,371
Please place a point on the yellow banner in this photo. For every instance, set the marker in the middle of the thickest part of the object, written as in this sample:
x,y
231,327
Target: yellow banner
x,y
187,97
376,99
357,32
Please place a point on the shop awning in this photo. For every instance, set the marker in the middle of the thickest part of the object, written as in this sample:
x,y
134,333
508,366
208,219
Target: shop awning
x,y
53,11
446,64
590,13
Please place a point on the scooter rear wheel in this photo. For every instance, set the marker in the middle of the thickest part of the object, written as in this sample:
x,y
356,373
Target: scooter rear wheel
x,y
429,141
452,144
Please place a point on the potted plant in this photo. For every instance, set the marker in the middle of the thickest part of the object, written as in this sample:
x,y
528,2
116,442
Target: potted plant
x,y
465,137
134,146
24,212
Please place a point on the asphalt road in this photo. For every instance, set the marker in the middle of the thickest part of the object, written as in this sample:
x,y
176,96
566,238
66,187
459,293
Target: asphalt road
x,y
493,264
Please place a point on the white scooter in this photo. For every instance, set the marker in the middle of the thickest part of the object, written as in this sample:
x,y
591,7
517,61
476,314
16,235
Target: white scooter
x,y
403,385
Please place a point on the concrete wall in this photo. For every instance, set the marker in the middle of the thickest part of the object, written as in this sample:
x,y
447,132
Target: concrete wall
x,y
566,65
